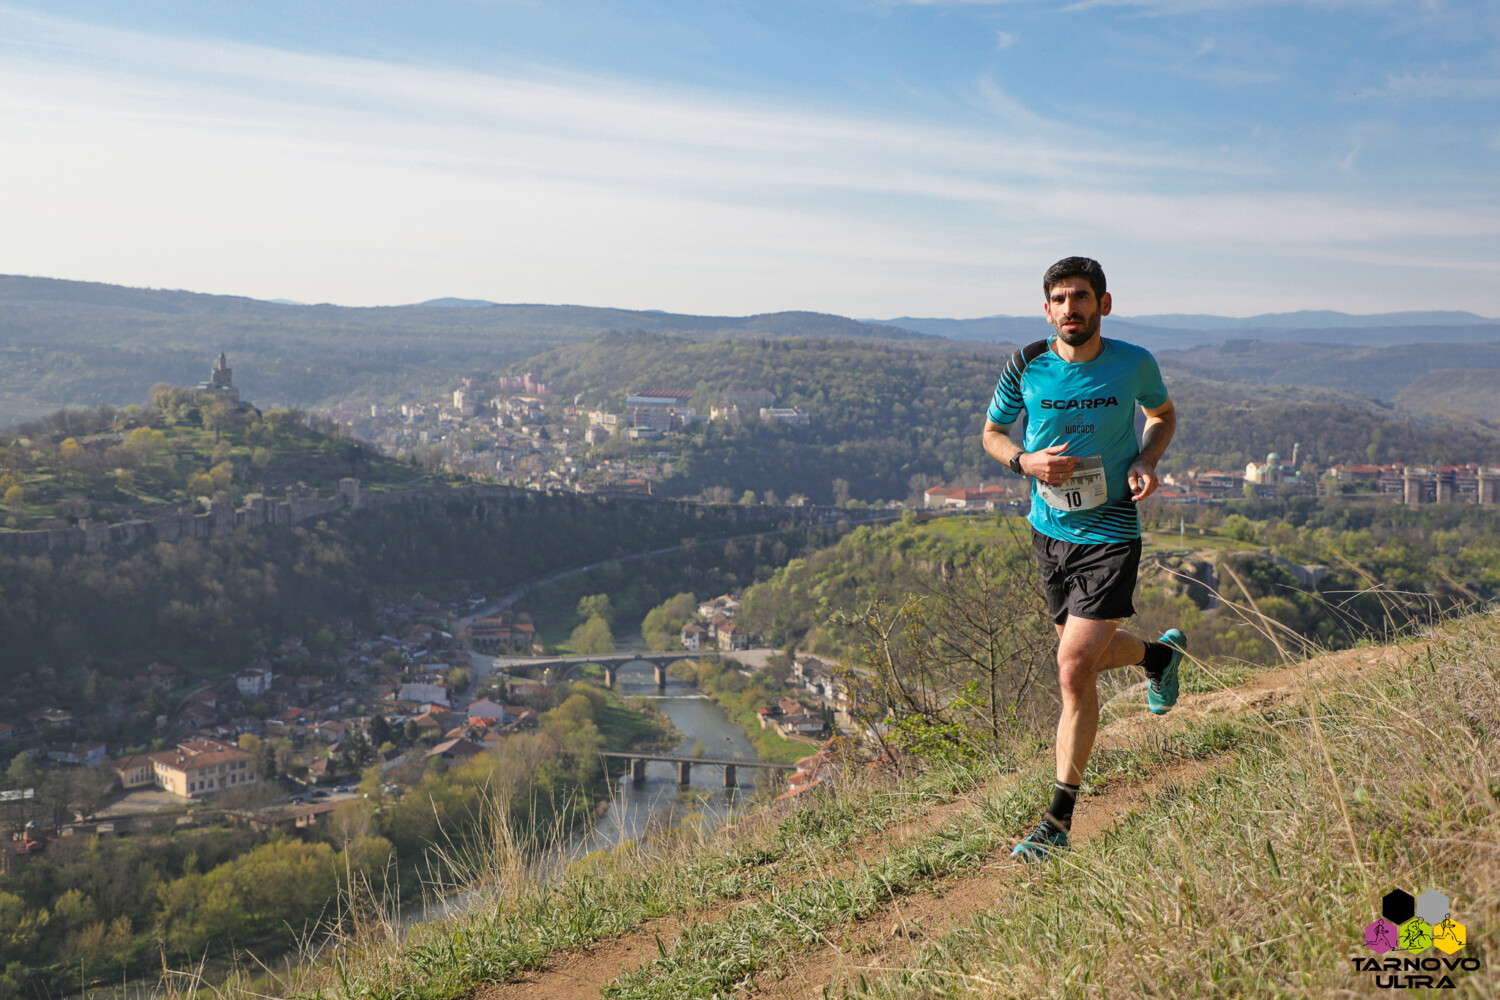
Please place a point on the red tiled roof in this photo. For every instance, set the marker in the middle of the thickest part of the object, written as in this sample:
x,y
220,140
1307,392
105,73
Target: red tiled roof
x,y
199,754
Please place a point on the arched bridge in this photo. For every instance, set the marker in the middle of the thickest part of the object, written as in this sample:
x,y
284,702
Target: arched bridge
x,y
560,667
685,765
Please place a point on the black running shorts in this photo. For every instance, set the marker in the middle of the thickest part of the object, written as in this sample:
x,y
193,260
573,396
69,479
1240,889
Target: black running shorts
x,y
1094,580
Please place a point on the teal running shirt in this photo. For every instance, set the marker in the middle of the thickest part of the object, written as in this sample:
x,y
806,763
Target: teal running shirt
x,y
1090,406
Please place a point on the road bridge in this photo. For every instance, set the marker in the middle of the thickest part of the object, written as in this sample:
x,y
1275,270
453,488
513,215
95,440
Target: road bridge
x,y
558,668
637,762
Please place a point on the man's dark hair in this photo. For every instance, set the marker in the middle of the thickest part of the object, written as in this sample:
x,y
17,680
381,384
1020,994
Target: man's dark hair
x,y
1075,267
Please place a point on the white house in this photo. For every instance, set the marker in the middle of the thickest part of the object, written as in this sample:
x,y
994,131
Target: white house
x,y
485,708
254,681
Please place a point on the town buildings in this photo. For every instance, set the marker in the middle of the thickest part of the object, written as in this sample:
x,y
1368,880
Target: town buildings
x,y
509,429
192,770
983,498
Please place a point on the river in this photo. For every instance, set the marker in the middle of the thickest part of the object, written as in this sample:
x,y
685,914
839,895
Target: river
x,y
660,798
699,719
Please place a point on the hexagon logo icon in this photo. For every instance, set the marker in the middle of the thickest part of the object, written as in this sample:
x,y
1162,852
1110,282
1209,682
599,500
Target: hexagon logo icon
x,y
1416,935
1449,935
1398,907
1432,906
1381,936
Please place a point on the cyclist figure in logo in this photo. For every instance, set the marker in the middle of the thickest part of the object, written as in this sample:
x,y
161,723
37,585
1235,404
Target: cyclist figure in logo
x,y
1079,392
1416,936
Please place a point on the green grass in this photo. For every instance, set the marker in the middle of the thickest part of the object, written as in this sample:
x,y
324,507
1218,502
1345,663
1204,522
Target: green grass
x,y
1253,879
1258,880
623,727
612,892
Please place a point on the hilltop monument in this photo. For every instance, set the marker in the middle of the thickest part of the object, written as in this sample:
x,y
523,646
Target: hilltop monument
x,y
221,382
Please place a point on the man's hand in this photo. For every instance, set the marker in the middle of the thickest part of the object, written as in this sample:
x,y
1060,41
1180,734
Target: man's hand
x,y
1049,465
1142,480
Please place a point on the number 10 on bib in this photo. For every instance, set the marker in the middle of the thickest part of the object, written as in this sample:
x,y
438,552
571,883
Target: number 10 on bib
x,y
1083,490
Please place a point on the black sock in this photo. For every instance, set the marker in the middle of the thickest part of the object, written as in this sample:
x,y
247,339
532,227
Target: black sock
x,y
1158,655
1063,799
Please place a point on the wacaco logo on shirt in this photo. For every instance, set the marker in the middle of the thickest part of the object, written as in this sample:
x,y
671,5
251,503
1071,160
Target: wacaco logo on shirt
x,y
1407,928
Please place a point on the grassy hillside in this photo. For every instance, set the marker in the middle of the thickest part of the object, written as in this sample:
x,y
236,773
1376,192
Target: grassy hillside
x,y
1237,847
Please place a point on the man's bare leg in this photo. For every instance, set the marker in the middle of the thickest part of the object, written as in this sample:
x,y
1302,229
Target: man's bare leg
x,y
1086,647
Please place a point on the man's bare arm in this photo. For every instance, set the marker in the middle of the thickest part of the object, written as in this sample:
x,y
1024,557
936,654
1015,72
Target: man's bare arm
x,y
1161,422
1049,465
997,443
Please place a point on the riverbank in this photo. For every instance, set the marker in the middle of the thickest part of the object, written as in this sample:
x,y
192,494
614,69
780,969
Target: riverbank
x,y
741,699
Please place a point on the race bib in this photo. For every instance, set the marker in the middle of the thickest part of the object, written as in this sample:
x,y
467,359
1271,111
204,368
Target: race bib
x,y
1084,489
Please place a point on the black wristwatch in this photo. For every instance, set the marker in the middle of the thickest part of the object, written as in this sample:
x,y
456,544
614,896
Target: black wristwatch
x,y
1015,464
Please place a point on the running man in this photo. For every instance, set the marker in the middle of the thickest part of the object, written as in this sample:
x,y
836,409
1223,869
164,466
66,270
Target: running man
x,y
1079,392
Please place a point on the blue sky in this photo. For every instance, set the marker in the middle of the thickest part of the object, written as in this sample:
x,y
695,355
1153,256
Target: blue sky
x,y
871,158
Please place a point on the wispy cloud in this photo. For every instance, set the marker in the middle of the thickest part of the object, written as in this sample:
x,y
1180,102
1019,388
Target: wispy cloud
x,y
245,169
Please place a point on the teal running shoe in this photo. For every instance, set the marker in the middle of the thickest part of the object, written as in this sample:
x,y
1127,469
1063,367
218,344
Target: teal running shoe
x,y
1161,693
1046,839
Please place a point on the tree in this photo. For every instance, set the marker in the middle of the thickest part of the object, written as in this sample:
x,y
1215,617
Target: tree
x,y
147,445
595,605
70,452
959,659
350,821
265,762
21,775
20,928
216,417
662,626
361,752
593,636
200,484
222,475
1240,528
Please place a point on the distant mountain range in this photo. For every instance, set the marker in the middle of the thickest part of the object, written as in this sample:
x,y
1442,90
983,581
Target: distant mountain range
x,y
77,343
1163,332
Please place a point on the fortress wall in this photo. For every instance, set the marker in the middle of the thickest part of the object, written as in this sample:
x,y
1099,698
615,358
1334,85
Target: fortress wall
x,y
183,524
221,520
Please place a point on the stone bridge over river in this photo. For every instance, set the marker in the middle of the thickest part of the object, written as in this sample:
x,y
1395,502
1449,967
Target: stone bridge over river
x,y
685,765
559,667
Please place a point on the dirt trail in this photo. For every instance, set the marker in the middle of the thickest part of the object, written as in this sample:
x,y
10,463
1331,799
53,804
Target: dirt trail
x,y
881,943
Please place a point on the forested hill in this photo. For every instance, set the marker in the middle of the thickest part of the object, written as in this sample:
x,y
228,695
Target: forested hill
x,y
76,343
212,606
1226,424
888,421
885,419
